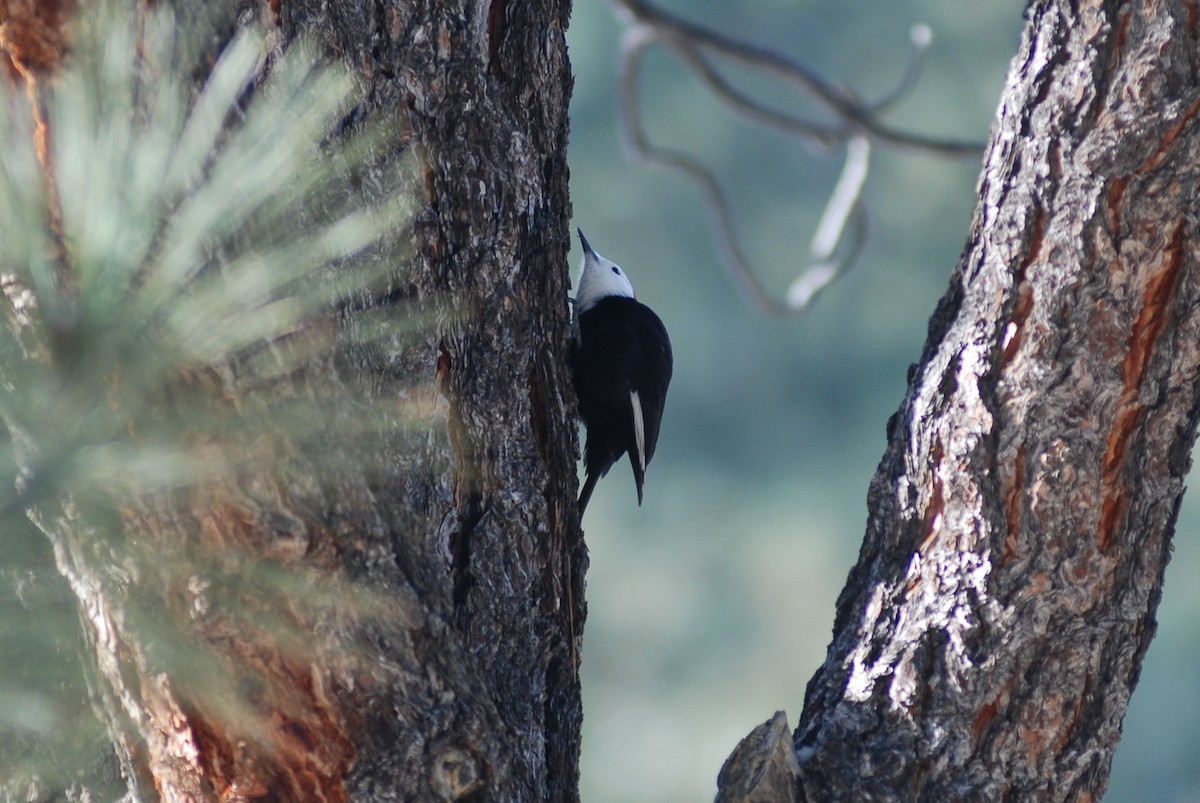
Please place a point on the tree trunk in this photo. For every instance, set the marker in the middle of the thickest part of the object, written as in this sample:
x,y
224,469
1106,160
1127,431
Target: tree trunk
x,y
988,640
423,643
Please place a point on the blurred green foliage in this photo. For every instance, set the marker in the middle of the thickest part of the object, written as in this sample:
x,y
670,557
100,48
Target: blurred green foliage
x,y
204,237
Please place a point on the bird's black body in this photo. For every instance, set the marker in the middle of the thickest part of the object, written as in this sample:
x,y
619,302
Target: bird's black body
x,y
621,364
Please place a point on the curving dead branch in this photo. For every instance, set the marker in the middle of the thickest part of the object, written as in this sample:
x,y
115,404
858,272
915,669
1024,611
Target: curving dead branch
x,y
854,127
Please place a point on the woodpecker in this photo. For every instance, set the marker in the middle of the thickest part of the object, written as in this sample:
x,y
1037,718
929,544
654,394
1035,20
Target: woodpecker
x,y
621,366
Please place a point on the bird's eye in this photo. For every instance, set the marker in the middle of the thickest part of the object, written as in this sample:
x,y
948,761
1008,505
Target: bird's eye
x,y
616,270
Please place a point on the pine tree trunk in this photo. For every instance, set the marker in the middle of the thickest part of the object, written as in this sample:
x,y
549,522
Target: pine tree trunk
x,y
494,556
442,659
988,640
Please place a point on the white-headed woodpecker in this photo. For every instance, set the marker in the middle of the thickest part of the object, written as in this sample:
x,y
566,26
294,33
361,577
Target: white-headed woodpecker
x,y
621,364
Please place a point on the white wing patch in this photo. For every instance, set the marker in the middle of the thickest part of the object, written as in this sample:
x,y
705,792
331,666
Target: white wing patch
x,y
639,428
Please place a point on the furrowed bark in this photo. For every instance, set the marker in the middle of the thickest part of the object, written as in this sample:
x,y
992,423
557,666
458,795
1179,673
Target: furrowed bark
x,y
441,661
990,636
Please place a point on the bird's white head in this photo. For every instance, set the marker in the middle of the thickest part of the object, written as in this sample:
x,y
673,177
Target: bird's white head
x,y
600,279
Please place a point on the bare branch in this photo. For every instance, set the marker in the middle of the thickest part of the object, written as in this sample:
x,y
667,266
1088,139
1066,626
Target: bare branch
x,y
844,209
826,136
635,44
841,232
921,37
856,117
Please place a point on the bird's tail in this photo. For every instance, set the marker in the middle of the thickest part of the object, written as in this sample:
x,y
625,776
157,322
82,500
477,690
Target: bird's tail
x,y
589,485
639,475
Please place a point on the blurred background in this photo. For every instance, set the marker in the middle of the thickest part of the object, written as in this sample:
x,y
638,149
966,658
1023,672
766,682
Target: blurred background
x,y
710,607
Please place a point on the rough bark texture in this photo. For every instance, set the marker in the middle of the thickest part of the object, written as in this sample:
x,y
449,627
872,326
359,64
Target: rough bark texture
x,y
442,660
989,638
762,768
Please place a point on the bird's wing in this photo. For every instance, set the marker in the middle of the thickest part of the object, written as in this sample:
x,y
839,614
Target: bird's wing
x,y
639,427
650,384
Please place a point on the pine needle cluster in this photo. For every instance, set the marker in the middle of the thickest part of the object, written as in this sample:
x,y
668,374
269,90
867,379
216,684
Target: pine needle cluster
x,y
173,257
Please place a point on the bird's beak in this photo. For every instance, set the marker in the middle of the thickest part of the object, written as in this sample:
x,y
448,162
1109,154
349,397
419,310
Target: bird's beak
x,y
586,245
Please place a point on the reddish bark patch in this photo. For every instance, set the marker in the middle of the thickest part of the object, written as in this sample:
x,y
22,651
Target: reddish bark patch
x,y
1114,202
35,39
295,746
34,34
1153,317
1037,234
1020,315
988,713
1168,141
937,503
1013,503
